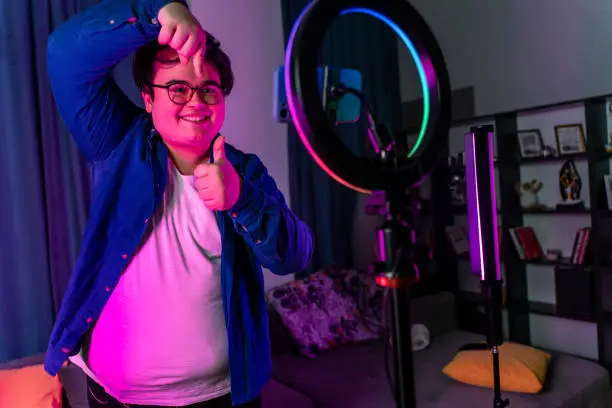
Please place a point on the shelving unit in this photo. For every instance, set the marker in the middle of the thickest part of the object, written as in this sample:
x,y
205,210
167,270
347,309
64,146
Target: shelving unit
x,y
578,304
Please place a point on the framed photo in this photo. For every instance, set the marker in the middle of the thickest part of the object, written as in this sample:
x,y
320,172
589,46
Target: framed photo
x,y
570,139
530,143
458,238
608,188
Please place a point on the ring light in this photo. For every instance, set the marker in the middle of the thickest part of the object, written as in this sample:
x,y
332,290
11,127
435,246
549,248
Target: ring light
x,y
317,134
392,170
419,65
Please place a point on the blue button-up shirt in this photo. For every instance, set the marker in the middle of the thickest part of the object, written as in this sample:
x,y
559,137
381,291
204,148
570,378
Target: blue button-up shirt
x,y
129,165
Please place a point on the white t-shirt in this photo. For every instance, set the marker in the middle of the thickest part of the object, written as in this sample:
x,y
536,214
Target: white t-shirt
x,y
161,338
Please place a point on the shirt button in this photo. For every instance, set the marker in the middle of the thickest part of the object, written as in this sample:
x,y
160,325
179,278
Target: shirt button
x,y
258,241
234,215
88,320
132,20
112,22
154,20
146,221
124,256
65,350
107,289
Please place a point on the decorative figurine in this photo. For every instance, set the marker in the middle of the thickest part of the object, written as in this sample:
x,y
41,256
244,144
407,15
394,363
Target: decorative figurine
x,y
608,146
528,192
570,186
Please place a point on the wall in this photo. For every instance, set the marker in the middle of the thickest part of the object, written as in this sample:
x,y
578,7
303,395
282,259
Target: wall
x,y
519,53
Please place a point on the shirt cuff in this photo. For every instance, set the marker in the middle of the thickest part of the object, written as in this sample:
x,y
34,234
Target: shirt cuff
x,y
249,204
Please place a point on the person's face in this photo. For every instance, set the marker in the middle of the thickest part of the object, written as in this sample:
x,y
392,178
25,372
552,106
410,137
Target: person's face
x,y
191,126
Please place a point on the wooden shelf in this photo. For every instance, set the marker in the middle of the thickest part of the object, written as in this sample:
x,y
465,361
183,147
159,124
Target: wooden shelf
x,y
597,155
540,308
556,210
462,209
563,262
578,296
550,159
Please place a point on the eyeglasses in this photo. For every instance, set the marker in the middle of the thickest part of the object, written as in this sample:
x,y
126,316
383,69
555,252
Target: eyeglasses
x,y
181,92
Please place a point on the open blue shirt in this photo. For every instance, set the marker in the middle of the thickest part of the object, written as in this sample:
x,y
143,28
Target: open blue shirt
x,y
129,165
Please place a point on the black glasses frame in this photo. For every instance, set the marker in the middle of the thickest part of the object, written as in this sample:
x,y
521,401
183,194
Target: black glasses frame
x,y
193,89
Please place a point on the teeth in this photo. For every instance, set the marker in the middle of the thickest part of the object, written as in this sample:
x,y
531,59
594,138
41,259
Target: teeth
x,y
195,118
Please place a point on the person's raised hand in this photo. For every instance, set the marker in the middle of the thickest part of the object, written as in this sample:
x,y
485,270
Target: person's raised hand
x,y
183,33
217,183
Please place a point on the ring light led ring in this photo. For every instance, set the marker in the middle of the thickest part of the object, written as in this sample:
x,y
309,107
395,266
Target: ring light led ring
x,y
317,134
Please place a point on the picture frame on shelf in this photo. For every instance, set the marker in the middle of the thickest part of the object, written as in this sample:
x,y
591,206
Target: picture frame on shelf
x,y
570,139
458,239
530,143
608,187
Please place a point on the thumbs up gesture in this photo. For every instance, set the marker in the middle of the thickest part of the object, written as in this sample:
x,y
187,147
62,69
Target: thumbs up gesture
x,y
217,183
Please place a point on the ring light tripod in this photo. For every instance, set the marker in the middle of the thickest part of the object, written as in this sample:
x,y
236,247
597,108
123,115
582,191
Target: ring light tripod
x,y
395,169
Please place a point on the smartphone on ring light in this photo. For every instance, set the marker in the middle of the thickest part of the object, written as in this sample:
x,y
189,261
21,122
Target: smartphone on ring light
x,y
345,109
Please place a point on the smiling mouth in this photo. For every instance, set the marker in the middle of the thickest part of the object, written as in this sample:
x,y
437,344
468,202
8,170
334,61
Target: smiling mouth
x,y
195,119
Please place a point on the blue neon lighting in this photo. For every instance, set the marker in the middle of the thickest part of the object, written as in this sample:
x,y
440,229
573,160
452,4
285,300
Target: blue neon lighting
x,y
415,56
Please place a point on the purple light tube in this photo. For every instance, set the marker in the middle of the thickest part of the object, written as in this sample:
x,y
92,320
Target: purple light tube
x,y
482,204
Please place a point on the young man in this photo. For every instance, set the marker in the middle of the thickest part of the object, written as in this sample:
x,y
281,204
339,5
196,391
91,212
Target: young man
x,y
165,306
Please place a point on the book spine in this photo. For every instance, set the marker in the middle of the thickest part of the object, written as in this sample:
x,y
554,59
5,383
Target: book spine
x,y
519,248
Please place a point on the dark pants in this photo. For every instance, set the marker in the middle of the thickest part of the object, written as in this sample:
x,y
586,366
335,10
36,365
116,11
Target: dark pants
x,y
99,398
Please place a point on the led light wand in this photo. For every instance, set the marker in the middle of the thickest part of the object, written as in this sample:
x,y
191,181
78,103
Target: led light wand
x,y
484,239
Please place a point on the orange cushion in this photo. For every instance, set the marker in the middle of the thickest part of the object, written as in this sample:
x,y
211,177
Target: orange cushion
x,y
29,387
521,368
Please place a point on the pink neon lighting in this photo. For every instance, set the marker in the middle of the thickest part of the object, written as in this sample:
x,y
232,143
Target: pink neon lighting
x,y
299,119
494,207
430,72
382,254
475,196
472,173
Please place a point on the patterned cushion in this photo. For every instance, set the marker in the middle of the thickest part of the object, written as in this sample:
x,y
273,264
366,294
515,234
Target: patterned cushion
x,y
361,286
318,313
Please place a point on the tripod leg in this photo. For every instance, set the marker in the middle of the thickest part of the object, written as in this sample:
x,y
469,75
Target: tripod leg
x,y
496,379
498,402
402,346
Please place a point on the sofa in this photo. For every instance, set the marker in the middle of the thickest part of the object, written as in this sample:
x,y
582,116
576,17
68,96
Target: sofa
x,y
74,393
353,375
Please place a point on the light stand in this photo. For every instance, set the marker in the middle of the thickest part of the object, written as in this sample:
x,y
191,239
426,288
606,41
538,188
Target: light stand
x,y
397,271
484,239
394,169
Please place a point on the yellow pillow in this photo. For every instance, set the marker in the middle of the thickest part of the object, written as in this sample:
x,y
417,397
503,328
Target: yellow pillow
x,y
29,387
521,368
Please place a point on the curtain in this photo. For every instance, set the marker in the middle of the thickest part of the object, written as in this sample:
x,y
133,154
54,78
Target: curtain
x,y
45,182
368,45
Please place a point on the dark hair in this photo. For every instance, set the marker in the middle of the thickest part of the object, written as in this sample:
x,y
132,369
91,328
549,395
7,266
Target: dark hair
x,y
142,67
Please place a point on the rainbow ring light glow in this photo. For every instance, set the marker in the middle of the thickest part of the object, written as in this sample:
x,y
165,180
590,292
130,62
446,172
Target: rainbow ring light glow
x,y
317,134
